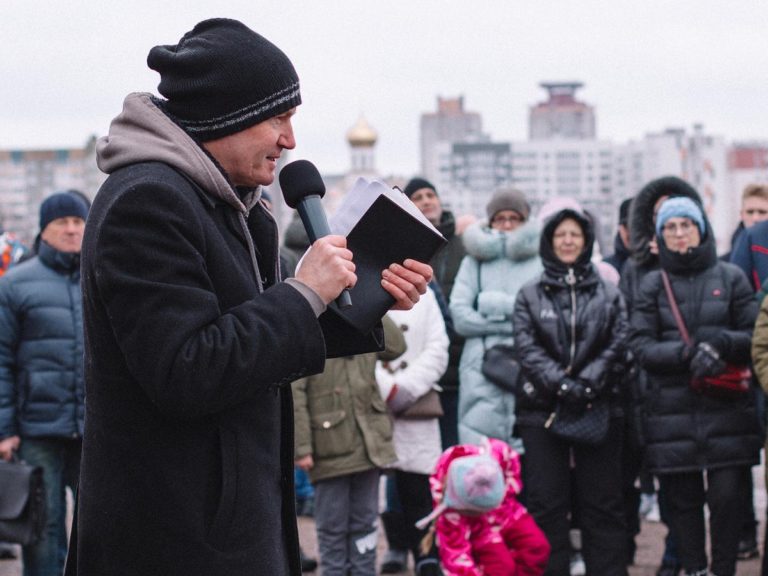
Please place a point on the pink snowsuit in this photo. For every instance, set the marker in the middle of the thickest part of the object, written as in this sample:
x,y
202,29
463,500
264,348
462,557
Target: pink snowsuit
x,y
503,542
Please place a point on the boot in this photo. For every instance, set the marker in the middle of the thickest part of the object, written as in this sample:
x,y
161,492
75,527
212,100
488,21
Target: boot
x,y
307,564
428,567
396,557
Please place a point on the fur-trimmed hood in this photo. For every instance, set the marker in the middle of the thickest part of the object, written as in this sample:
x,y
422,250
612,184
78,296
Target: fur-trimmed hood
x,y
641,229
485,244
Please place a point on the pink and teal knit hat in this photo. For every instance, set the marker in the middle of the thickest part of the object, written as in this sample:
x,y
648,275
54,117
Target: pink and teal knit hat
x,y
473,484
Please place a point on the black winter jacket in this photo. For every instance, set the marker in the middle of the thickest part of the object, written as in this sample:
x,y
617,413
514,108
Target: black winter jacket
x,y
446,265
548,312
685,430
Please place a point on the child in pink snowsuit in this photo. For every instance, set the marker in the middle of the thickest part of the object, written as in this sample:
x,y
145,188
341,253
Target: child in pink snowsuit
x,y
481,528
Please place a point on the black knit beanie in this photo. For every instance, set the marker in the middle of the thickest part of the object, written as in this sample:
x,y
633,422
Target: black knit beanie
x,y
417,184
61,205
222,77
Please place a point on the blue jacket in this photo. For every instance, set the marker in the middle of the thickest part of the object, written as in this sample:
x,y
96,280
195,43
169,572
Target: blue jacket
x,y
41,347
750,253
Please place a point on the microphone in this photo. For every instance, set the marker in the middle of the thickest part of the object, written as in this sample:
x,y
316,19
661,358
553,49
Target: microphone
x,y
303,188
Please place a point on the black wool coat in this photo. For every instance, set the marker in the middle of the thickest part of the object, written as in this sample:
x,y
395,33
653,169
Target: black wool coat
x,y
188,450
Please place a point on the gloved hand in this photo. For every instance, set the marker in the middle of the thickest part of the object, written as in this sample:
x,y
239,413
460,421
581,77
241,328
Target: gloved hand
x,y
575,392
706,361
399,400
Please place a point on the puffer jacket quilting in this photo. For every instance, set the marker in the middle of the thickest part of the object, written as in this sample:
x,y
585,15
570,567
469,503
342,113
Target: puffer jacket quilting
x,y
686,430
41,347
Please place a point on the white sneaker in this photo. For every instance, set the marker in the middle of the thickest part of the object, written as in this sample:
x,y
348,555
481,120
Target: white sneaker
x,y
577,567
647,503
654,515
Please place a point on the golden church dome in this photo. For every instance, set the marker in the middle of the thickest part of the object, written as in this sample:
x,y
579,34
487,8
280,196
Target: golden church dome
x,y
361,134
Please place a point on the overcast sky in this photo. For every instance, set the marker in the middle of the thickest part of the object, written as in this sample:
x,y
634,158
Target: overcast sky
x,y
646,65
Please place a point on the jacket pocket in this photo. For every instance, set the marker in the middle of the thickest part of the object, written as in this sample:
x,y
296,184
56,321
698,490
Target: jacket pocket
x,y
332,434
380,419
222,519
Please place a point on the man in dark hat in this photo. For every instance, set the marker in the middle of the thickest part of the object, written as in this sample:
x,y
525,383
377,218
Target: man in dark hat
x,y
621,242
41,368
445,265
192,340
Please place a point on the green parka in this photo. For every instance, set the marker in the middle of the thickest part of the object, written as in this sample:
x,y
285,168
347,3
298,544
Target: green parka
x,y
340,417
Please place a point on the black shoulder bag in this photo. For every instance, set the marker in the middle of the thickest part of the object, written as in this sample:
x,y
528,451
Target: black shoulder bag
x,y
22,502
500,363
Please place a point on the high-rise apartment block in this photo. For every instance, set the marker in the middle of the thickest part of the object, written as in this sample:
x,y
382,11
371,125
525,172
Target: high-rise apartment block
x,y
748,164
450,123
561,115
27,177
564,157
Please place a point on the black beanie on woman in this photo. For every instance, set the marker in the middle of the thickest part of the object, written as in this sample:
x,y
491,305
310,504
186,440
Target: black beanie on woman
x,y
222,77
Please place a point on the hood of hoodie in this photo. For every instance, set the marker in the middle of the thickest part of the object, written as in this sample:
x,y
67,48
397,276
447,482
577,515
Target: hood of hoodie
x,y
142,132
485,244
641,229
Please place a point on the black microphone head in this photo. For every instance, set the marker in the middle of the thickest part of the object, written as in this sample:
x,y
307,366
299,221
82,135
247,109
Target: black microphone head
x,y
300,179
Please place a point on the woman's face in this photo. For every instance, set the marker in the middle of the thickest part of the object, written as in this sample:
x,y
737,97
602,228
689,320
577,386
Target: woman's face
x,y
506,220
680,234
568,241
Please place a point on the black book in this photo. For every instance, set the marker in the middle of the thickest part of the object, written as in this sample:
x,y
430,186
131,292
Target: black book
x,y
389,231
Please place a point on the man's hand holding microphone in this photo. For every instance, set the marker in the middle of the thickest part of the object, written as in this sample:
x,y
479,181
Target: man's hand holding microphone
x,y
327,267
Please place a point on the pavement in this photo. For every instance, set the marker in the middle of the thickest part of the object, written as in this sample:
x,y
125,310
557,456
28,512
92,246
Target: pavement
x,y
649,542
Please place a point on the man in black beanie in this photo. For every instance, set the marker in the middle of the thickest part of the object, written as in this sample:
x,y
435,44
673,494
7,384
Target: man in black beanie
x,y
192,340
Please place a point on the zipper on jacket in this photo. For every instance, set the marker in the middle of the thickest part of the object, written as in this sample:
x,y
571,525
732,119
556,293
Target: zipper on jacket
x,y
570,280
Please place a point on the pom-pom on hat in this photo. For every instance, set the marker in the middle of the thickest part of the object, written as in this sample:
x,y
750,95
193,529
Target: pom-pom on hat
x,y
61,205
417,184
509,199
222,77
680,207
475,484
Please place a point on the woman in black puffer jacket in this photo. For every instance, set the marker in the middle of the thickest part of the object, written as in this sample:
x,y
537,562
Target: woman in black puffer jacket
x,y
570,334
688,432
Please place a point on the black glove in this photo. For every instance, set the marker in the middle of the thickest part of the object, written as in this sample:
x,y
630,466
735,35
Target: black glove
x,y
718,339
706,361
574,392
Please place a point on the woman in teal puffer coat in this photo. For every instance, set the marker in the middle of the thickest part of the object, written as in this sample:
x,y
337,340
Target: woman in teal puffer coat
x,y
502,255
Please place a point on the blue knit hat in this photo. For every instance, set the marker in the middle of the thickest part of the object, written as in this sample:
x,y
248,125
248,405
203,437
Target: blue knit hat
x,y
680,207
61,205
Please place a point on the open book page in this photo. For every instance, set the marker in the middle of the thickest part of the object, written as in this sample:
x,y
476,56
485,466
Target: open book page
x,y
360,198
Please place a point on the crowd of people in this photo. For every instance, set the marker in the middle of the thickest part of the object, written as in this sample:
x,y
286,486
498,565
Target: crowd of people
x,y
171,363
622,363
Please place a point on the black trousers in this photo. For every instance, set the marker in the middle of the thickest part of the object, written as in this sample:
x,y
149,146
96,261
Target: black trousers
x,y
686,496
598,484
416,501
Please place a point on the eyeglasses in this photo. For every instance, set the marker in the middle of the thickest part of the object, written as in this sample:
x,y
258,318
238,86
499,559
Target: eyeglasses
x,y
507,220
673,228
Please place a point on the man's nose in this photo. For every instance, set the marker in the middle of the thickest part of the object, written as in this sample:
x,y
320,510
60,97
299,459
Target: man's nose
x,y
287,140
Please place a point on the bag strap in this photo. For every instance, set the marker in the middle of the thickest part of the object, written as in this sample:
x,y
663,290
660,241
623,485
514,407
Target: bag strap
x,y
675,310
477,296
